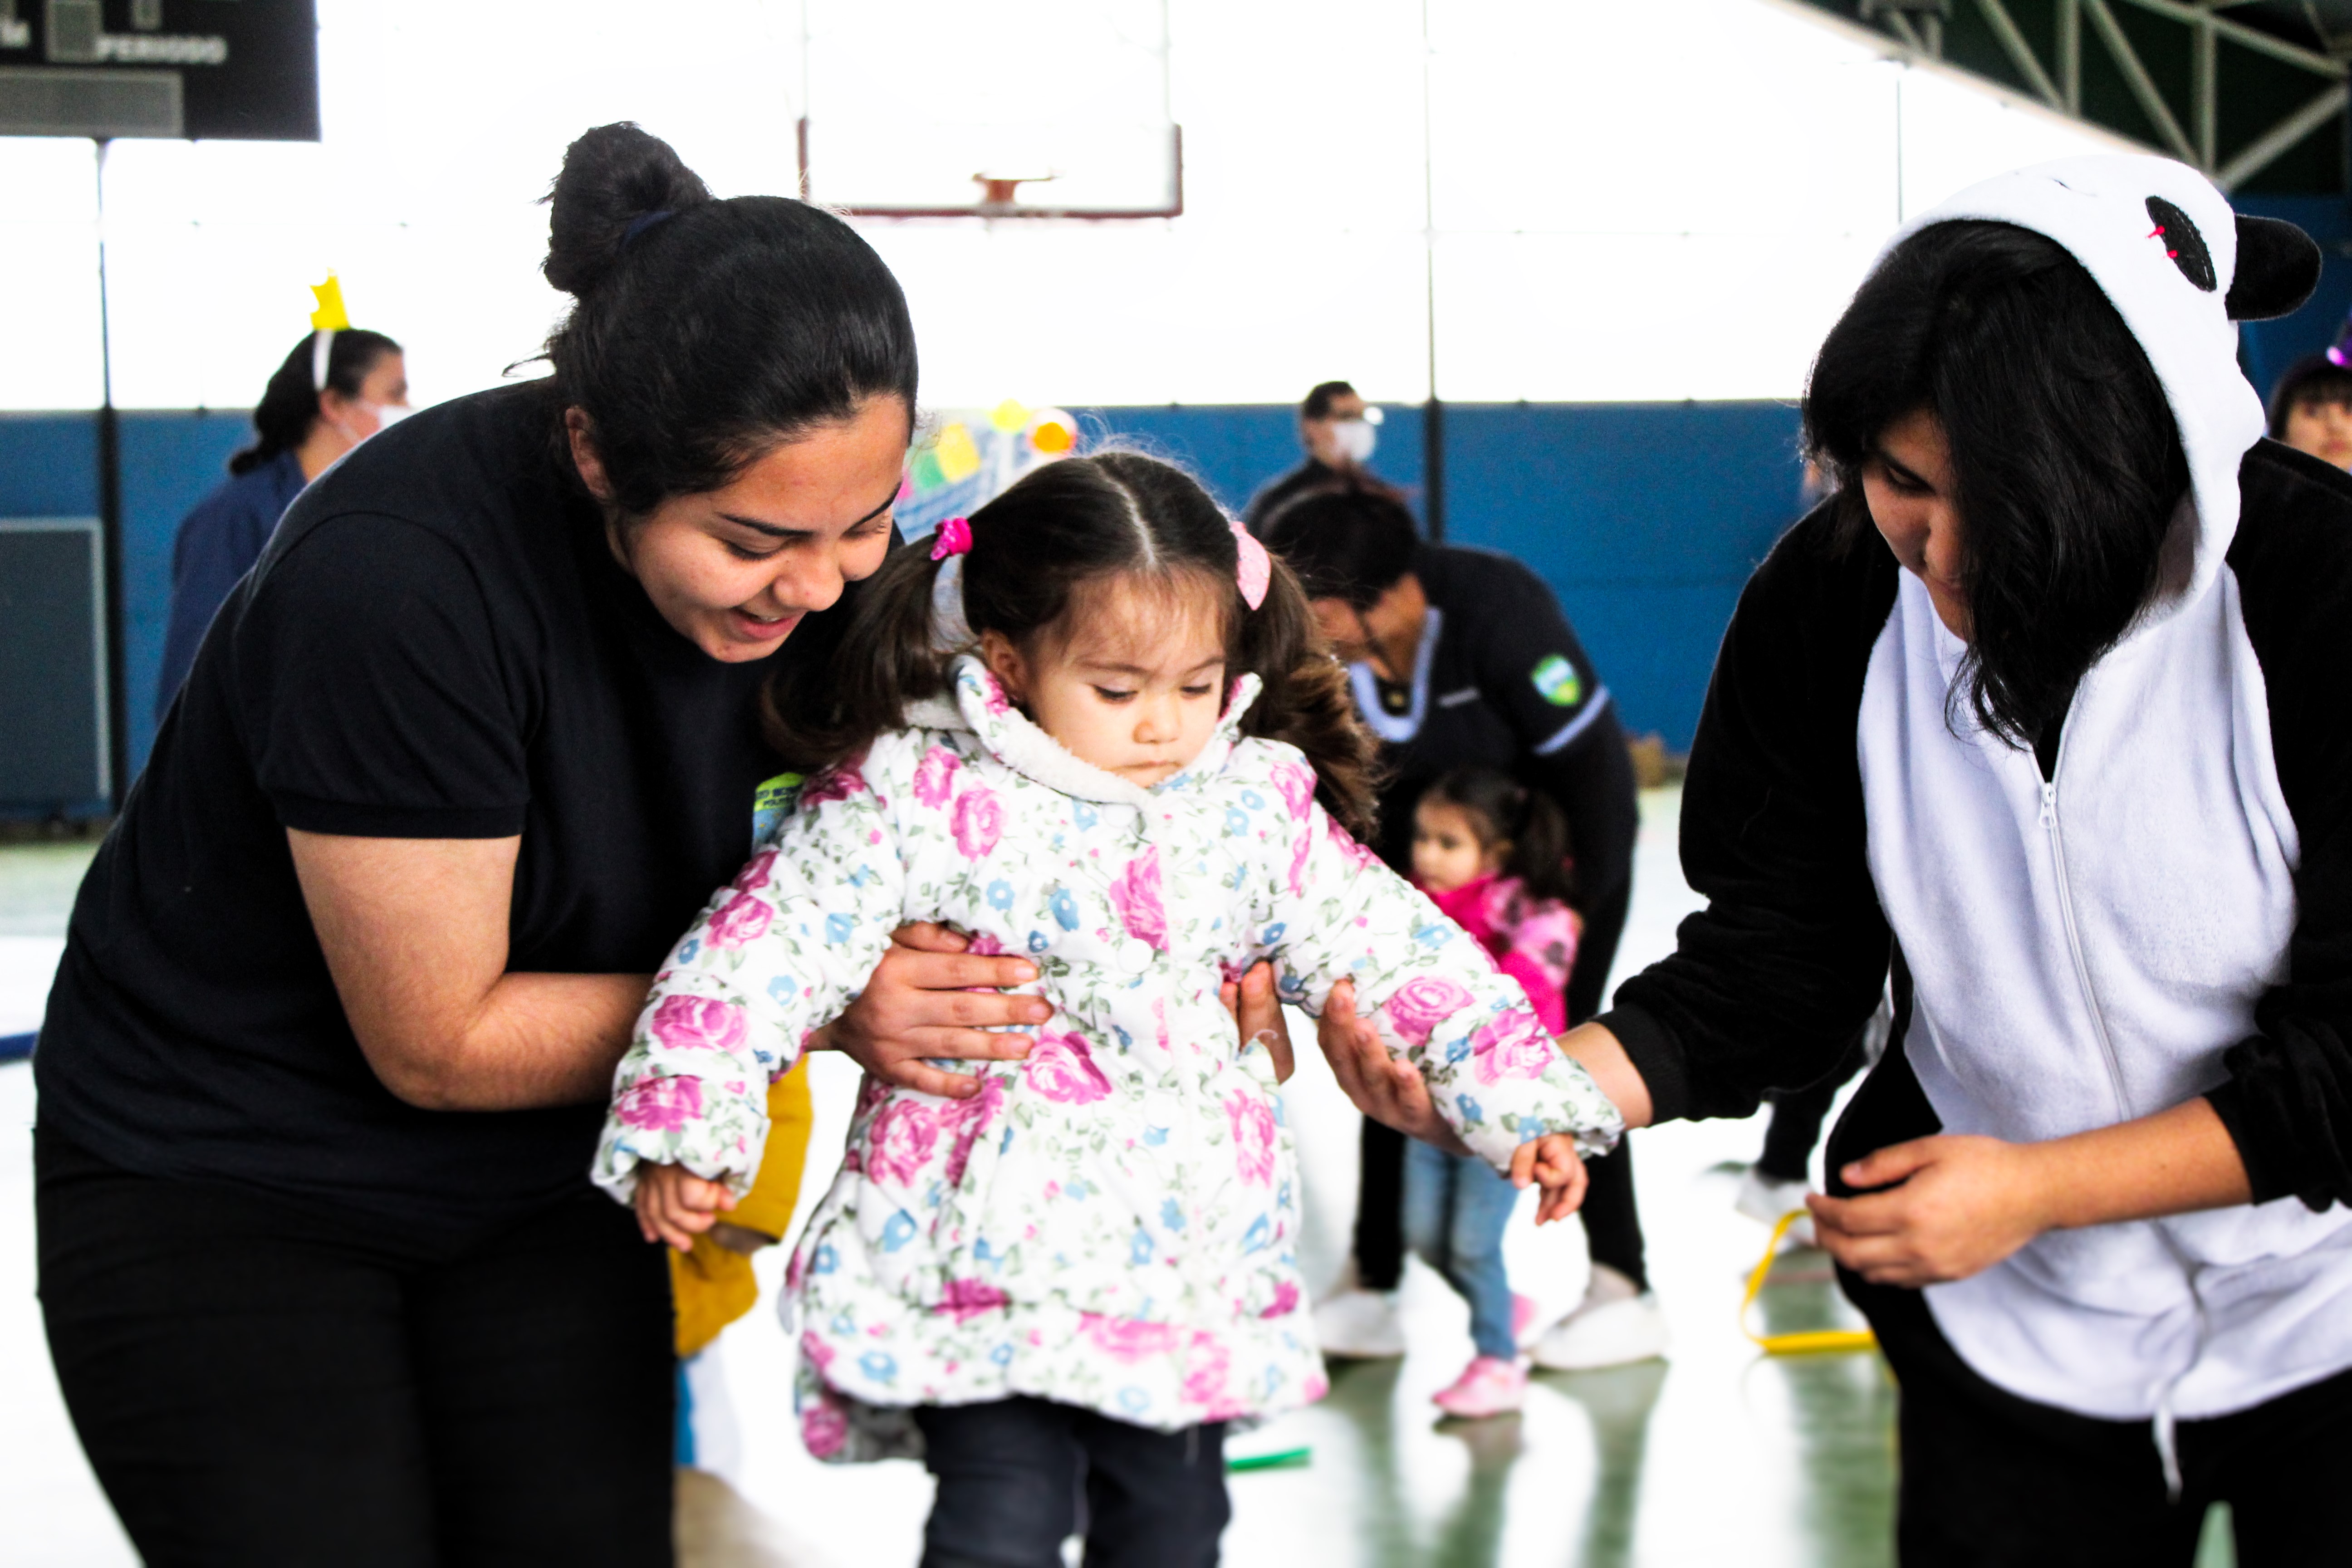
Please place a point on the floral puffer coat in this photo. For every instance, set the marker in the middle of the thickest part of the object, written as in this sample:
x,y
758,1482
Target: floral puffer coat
x,y
1113,1222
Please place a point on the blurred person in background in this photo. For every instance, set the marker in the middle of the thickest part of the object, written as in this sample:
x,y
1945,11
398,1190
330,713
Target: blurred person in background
x,y
1340,431
334,390
2311,407
1461,657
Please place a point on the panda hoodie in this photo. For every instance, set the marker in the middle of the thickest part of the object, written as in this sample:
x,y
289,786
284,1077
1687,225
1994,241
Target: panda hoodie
x,y
2168,914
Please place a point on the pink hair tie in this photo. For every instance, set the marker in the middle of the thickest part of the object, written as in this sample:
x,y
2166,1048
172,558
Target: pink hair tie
x,y
952,538
1256,568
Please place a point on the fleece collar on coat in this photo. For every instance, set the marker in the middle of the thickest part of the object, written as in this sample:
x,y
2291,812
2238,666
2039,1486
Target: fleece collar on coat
x,y
2099,209
979,706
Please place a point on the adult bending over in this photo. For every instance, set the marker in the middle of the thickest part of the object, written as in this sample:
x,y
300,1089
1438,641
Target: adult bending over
x,y
2045,706
323,1275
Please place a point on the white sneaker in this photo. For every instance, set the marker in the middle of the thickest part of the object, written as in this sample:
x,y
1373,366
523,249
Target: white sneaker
x,y
1613,1327
1360,1325
1765,1200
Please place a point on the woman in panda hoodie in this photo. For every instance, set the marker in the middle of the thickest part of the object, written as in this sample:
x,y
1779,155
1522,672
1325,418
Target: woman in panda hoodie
x,y
2049,708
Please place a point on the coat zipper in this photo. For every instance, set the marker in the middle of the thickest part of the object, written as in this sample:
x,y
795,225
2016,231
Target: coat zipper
x,y
2163,1426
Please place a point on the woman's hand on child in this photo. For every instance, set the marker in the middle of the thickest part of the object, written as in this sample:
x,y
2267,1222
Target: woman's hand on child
x,y
931,997
674,1205
1257,1014
1551,1162
1391,1091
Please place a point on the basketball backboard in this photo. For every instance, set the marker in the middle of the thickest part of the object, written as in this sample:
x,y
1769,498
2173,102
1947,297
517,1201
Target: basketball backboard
x,y
943,109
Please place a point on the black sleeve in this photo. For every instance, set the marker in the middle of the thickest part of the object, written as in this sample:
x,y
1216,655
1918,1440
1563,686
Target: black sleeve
x,y
1535,673
1769,984
372,691
2288,1102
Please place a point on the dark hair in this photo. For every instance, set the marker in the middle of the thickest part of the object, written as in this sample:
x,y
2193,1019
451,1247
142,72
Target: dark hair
x,y
1037,550
1345,542
1502,810
289,403
708,331
2312,380
2066,464
1320,397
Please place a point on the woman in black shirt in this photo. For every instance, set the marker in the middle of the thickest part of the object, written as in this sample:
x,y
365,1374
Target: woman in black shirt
x,y
323,1277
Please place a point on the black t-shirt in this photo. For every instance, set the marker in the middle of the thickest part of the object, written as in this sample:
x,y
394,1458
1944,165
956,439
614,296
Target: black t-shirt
x,y
436,644
1500,681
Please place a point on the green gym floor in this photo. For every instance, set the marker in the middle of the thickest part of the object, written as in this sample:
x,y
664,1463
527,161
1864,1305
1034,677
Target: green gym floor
x,y
1716,1455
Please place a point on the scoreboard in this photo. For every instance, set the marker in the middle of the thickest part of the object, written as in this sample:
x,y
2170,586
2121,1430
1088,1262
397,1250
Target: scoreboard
x,y
236,69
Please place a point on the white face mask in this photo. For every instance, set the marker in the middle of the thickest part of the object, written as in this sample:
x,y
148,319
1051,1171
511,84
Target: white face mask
x,y
387,415
1355,440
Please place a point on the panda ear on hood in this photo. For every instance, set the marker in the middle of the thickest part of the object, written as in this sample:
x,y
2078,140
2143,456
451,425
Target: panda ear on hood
x,y
2278,266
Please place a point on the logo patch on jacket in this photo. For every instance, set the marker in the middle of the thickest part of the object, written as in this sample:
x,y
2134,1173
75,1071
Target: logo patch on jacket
x,y
1557,679
772,802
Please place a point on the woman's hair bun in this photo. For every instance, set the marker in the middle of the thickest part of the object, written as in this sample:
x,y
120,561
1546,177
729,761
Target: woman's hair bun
x,y
612,176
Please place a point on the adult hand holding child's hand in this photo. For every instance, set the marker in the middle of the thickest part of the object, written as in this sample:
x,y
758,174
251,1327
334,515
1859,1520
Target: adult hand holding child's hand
x,y
674,1205
931,997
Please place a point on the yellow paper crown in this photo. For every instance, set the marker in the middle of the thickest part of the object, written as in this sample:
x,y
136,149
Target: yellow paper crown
x,y
331,316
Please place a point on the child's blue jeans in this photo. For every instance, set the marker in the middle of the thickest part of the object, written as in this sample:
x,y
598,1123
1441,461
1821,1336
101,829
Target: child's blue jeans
x,y
1455,1210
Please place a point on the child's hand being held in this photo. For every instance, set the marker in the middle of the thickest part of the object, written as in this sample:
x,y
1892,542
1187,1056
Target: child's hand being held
x,y
674,1205
1551,1164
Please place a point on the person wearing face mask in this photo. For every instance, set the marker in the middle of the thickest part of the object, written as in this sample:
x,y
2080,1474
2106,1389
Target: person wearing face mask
x,y
333,391
1340,431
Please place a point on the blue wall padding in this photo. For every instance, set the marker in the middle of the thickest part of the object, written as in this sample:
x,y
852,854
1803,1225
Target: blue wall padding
x,y
1644,518
49,465
170,460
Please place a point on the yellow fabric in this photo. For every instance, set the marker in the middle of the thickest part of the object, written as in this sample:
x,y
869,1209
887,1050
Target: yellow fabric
x,y
1812,1342
713,1285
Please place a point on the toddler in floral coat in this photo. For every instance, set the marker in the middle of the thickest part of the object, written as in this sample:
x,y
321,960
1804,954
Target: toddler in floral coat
x,y
1132,764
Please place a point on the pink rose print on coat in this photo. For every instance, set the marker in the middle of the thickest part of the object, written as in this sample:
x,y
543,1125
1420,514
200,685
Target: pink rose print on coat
x,y
1299,847
1253,1136
741,920
1361,858
825,1427
1286,1301
661,1104
1135,894
835,784
1207,1366
1421,1005
1513,1046
935,777
900,1141
1063,1069
968,1299
1128,1340
992,696
970,1118
698,1024
1297,783
977,821
754,877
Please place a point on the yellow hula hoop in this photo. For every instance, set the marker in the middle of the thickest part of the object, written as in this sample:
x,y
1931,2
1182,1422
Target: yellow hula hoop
x,y
1812,1342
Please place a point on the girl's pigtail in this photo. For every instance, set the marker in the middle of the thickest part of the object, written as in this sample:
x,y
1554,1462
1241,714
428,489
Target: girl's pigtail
x,y
1307,703
1540,848
820,712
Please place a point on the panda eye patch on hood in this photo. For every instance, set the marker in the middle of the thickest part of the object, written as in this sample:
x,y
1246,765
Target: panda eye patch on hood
x,y
2182,243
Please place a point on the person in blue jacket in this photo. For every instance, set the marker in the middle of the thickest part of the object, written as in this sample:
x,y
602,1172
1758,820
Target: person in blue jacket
x,y
333,391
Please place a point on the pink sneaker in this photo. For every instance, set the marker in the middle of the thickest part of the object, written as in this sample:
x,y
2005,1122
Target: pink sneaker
x,y
1488,1386
1523,1318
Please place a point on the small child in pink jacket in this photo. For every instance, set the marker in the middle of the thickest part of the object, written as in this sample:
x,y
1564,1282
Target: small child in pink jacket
x,y
1493,855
